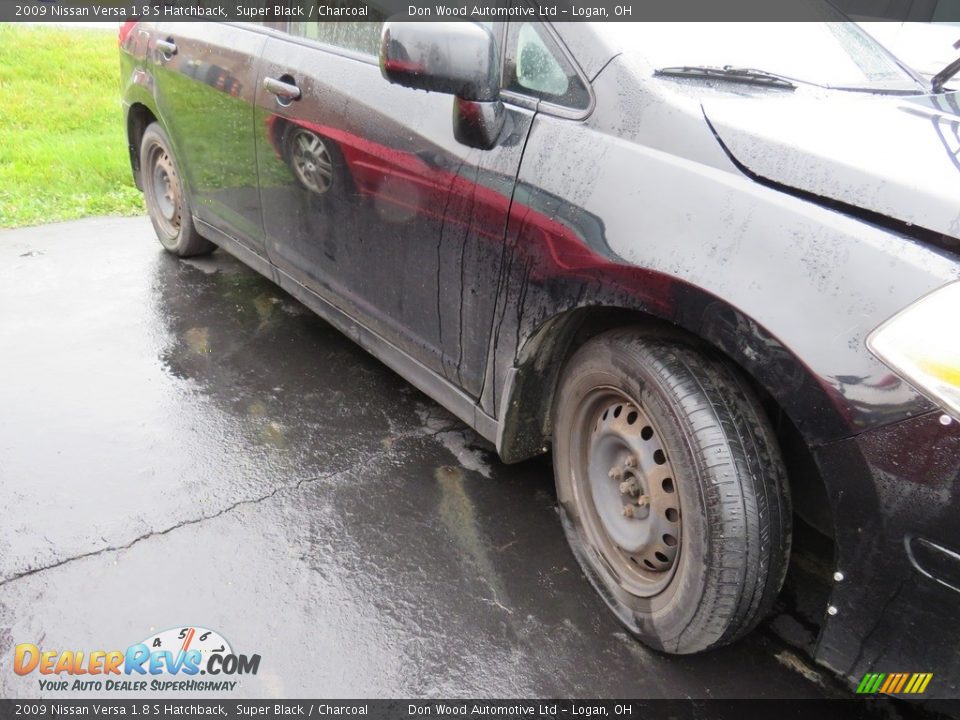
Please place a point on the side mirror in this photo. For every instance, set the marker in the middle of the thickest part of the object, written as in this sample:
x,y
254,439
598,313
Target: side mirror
x,y
454,58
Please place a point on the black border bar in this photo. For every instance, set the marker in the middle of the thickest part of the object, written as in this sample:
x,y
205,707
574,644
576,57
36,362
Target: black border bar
x,y
477,709
60,11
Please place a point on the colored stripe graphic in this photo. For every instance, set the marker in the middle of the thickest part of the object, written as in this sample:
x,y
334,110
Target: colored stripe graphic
x,y
894,683
891,679
901,683
869,683
914,682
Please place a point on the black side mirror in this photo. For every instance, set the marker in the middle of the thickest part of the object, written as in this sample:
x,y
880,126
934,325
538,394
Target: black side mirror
x,y
455,58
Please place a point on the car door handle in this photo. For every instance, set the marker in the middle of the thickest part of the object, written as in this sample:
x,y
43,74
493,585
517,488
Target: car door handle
x,y
168,47
285,91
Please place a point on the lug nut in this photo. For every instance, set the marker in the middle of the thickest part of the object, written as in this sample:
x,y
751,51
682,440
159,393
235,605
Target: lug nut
x,y
616,474
628,511
643,501
629,487
630,462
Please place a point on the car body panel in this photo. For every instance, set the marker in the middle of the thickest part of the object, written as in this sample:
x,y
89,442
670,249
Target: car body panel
x,y
714,253
406,194
204,94
844,150
471,272
892,488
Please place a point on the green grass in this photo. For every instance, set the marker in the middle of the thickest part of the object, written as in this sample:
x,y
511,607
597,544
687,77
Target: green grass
x,y
62,144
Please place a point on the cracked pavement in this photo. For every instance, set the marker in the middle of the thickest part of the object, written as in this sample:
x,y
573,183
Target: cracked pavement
x,y
181,443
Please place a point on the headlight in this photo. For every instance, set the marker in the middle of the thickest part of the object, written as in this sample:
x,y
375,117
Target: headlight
x,y
922,344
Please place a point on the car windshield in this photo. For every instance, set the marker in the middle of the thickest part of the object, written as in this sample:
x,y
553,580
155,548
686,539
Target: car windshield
x,y
835,55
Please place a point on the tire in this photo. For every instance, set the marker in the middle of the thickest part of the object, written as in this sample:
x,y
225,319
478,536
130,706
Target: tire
x,y
687,534
166,198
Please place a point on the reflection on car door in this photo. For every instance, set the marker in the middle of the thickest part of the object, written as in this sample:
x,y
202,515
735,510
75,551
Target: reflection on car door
x,y
206,76
370,202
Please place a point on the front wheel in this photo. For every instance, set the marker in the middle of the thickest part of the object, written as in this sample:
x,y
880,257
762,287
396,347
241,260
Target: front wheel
x,y
672,489
166,199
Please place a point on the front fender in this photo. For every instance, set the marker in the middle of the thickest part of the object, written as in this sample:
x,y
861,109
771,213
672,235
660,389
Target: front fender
x,y
666,306
789,290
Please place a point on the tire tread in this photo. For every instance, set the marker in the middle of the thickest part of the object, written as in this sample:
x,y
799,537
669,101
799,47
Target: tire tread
x,y
749,519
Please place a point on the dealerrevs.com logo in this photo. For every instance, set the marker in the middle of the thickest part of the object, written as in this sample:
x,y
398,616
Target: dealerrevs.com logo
x,y
172,660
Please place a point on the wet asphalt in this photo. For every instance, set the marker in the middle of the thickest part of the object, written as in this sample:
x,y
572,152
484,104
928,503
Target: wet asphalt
x,y
181,443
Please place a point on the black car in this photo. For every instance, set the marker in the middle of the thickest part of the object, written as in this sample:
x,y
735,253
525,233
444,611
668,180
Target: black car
x,y
714,273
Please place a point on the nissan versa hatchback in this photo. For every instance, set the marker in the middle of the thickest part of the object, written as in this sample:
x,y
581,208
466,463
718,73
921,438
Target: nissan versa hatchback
x,y
714,273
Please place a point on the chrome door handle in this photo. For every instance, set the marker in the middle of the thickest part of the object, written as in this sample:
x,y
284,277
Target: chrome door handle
x,y
285,91
167,47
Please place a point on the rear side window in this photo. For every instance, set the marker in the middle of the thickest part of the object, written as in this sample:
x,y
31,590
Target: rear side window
x,y
535,65
359,36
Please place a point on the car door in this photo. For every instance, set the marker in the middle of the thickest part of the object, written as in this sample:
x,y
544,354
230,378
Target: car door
x,y
206,77
370,201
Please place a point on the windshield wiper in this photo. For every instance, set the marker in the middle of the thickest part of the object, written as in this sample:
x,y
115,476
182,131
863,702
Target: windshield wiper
x,y
750,76
945,76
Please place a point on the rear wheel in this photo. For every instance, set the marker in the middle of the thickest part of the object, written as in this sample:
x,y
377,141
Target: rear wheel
x,y
672,489
310,159
316,162
166,200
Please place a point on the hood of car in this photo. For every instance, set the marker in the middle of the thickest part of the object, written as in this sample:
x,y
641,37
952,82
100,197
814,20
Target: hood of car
x,y
895,156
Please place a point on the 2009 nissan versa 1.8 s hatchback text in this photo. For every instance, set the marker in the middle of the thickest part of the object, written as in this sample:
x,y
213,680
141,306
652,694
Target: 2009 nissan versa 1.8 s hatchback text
x,y
710,270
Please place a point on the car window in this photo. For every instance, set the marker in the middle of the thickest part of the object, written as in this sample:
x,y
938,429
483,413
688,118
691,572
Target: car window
x,y
535,65
358,36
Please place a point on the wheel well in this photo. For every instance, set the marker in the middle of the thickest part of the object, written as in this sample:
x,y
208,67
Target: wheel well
x,y
138,118
527,417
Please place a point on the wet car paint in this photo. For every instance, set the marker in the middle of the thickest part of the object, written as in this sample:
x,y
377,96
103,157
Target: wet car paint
x,y
405,194
712,259
207,88
363,542
807,142
725,247
900,478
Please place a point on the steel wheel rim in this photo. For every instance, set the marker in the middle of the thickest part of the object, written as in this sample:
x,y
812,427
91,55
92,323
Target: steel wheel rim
x,y
165,192
312,162
627,491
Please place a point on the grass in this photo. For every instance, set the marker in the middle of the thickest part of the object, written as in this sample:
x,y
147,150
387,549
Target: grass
x,y
62,144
